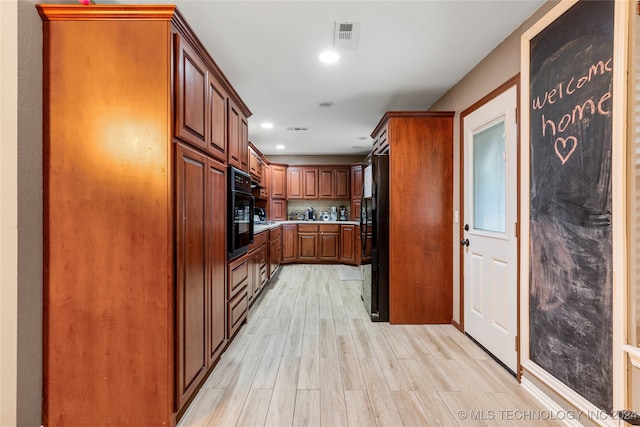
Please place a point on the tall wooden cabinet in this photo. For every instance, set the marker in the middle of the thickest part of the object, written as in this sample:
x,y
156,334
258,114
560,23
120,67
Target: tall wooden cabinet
x,y
420,150
136,117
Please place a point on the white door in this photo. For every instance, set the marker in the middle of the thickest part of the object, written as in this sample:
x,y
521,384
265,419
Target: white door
x,y
490,214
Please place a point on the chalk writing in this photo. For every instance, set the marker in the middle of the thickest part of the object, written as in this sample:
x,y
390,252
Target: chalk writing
x,y
590,107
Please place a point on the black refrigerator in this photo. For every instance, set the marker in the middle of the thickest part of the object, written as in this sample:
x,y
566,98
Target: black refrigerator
x,y
374,235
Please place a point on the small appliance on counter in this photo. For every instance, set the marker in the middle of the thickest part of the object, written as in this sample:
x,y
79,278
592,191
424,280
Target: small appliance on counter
x,y
311,215
334,213
343,213
261,213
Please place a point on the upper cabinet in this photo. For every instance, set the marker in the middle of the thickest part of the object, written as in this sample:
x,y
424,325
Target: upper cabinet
x,y
201,102
238,138
255,165
357,181
318,182
278,181
191,95
334,182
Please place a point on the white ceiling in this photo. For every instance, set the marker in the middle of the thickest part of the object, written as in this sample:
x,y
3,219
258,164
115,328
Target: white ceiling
x,y
410,53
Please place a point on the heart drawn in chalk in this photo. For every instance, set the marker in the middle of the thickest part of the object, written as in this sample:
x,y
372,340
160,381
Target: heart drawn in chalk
x,y
569,151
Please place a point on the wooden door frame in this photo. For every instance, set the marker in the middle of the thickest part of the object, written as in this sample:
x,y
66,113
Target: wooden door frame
x,y
513,81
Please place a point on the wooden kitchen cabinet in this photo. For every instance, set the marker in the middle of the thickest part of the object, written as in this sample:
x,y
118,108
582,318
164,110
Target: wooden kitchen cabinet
x,y
318,243
289,243
278,210
238,293
357,181
334,182
295,182
329,243
342,189
275,250
200,187
307,243
278,183
420,150
201,102
238,137
257,263
140,317
348,247
255,166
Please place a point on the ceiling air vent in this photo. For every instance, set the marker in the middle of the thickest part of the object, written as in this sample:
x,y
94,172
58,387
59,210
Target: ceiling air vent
x,y
297,128
347,34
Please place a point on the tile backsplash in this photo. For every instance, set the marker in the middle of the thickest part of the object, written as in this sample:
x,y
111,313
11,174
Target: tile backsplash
x,y
296,209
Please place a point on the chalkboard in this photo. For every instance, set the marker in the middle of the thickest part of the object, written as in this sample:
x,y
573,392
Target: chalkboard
x,y
570,301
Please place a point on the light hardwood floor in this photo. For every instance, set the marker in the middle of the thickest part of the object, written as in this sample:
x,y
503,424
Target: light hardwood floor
x,y
309,356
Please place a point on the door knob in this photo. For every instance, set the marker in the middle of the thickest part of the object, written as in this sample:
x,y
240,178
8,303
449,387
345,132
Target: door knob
x,y
464,242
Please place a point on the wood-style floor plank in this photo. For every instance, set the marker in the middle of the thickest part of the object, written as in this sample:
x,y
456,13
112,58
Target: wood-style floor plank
x,y
310,356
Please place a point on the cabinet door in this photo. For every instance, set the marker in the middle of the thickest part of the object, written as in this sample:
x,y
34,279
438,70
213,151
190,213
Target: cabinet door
x,y
217,120
347,243
341,188
289,243
294,183
307,247
329,246
265,181
278,181
310,182
191,95
244,143
357,182
278,210
217,258
275,255
326,188
191,270
255,166
233,135
355,209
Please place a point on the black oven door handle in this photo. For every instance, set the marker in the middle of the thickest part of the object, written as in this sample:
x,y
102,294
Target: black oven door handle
x,y
252,205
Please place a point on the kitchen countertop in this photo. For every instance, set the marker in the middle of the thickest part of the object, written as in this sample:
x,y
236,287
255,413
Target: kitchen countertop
x,y
258,228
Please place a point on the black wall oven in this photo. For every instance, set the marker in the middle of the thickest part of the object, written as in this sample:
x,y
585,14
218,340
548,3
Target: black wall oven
x,y
240,219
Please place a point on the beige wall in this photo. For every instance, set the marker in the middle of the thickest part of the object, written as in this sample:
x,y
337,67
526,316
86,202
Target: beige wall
x,y
498,67
21,214
315,160
8,212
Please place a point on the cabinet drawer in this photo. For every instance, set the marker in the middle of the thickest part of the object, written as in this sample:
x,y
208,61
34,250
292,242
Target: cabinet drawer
x,y
238,276
237,311
274,233
330,228
259,240
307,228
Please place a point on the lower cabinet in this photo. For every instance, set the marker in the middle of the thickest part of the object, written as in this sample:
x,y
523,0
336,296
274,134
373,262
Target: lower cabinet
x,y
289,243
275,250
257,263
318,243
200,284
349,249
237,294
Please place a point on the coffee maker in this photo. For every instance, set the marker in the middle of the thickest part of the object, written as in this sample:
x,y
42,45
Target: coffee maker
x,y
343,213
261,213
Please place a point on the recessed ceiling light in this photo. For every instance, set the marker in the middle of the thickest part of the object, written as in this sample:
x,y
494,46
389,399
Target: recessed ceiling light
x,y
267,125
279,147
329,57
326,104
